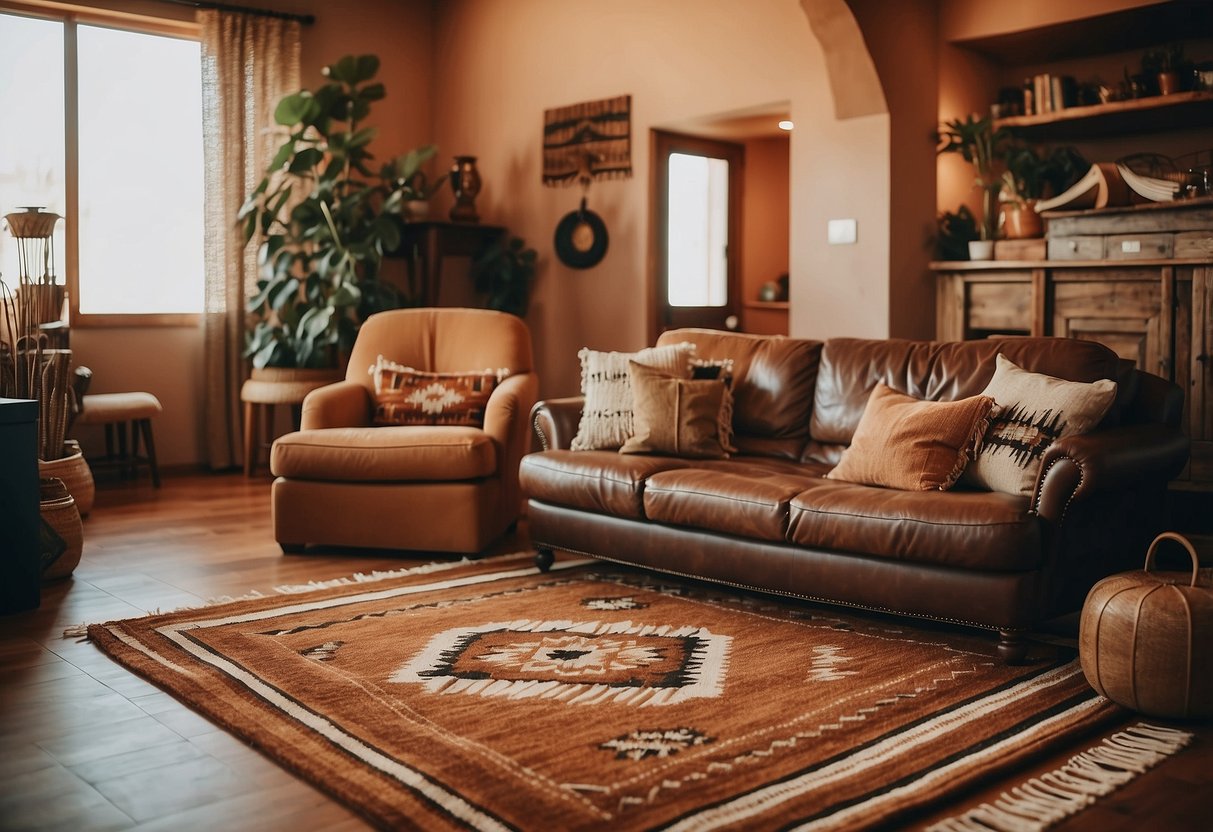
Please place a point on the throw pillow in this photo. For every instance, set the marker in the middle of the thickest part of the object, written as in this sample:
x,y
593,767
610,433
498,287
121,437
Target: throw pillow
x,y
913,445
405,396
679,416
1034,410
606,416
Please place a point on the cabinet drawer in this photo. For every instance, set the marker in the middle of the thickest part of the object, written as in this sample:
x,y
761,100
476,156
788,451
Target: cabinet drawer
x,y
1076,248
1194,244
1138,246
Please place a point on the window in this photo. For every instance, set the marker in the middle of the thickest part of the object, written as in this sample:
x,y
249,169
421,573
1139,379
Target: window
x,y
114,144
699,230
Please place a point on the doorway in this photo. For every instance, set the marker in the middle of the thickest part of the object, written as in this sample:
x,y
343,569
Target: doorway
x,y
697,193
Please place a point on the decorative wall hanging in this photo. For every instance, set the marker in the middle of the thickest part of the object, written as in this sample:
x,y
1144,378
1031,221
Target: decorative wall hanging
x,y
582,143
593,135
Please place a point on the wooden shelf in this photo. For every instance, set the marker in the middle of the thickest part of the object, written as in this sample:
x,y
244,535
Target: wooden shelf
x,y
1138,115
767,304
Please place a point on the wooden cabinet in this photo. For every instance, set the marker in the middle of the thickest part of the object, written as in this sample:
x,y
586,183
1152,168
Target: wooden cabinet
x,y
1156,313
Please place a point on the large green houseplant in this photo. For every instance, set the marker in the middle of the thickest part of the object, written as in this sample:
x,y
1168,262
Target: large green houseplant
x,y
976,140
324,219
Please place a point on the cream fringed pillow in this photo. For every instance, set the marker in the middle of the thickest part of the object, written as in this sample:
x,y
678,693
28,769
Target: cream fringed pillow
x,y
690,418
1034,410
913,445
606,416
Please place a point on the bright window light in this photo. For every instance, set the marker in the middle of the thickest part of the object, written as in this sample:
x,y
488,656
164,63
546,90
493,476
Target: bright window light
x,y
698,231
31,139
140,208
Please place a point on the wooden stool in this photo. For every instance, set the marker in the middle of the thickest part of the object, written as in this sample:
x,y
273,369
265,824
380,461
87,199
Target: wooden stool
x,y
266,389
117,411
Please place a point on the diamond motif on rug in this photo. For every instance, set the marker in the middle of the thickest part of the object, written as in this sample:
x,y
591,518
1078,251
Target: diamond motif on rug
x,y
613,603
658,743
577,662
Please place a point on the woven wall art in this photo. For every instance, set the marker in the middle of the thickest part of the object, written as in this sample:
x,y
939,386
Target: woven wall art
x,y
588,141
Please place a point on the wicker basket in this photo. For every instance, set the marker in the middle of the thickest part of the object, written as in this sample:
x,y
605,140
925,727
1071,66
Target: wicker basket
x,y
1146,638
73,469
64,546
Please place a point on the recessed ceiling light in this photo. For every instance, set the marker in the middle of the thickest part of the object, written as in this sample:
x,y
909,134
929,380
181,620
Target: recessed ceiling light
x,y
786,125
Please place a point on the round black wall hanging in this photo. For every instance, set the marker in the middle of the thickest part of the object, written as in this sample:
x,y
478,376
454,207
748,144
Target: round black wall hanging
x,y
581,238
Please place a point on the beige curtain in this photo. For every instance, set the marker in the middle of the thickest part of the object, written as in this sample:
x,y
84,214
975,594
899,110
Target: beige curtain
x,y
248,64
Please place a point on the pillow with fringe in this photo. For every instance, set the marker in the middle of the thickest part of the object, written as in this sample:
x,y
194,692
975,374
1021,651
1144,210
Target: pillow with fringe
x,y
406,396
913,445
606,416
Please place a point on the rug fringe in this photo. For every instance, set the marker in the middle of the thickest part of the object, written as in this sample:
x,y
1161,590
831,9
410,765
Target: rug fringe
x,y
76,631
1052,797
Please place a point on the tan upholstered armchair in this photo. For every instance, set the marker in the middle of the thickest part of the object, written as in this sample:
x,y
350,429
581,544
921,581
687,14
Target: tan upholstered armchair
x,y
342,480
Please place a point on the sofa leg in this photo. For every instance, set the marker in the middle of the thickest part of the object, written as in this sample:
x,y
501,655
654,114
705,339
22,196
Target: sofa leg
x,y
544,558
1012,646
292,548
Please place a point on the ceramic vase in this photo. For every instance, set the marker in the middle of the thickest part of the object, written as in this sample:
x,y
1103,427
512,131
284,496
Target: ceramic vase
x,y
981,249
465,183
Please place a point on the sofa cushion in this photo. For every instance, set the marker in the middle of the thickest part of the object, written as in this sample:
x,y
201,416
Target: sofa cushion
x,y
913,445
773,381
379,454
851,367
606,416
678,416
600,481
965,529
1035,410
747,499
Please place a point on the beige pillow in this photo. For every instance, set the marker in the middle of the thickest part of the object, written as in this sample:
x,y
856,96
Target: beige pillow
x,y
405,396
606,416
1034,410
913,445
679,416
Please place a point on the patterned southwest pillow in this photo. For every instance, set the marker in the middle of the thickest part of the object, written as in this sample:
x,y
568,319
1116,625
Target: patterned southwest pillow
x,y
1034,411
405,396
913,445
678,416
606,416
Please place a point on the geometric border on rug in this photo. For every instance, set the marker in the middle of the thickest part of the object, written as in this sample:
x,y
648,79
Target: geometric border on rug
x,y
799,715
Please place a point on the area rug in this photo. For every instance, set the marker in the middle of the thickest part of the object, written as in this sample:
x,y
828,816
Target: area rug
x,y
486,695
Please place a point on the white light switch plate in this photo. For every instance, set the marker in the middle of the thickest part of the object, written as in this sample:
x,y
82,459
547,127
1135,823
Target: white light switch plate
x,y
841,232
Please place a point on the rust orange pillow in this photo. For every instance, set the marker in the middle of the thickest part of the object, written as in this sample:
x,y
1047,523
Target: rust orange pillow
x,y
405,396
913,445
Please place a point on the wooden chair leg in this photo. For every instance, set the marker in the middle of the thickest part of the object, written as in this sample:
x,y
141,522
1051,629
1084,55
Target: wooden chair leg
x,y
145,426
123,450
134,457
251,437
109,440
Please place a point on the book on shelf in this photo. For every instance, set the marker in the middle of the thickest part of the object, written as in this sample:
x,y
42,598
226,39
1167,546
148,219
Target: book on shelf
x,y
1051,93
1149,187
1102,186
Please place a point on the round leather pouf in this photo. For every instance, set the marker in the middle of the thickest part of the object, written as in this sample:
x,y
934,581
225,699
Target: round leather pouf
x,y
1145,639
581,238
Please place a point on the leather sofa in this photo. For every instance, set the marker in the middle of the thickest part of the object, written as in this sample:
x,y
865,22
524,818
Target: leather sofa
x,y
766,519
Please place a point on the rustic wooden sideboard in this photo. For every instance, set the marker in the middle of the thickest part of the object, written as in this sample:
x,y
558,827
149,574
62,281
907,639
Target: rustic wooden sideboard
x,y
1154,311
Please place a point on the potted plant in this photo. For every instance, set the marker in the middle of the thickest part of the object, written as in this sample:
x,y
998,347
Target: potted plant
x,y
324,219
503,272
1166,67
1030,175
981,145
956,231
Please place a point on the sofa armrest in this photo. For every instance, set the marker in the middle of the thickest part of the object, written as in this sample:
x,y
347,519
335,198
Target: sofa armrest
x,y
1108,460
555,421
345,404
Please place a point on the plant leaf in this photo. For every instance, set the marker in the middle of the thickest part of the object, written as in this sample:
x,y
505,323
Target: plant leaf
x,y
365,67
293,108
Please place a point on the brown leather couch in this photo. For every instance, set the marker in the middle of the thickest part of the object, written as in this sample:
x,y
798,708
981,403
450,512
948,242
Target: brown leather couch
x,y
766,519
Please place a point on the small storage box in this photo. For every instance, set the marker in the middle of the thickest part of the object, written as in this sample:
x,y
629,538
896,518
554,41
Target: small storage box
x,y
1146,639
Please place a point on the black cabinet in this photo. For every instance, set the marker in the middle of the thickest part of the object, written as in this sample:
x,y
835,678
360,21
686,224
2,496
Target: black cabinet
x,y
19,519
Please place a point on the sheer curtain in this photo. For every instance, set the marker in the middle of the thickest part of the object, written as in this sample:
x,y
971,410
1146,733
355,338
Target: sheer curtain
x,y
248,64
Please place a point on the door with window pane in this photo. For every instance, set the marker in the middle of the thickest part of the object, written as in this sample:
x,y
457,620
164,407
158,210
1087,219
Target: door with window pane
x,y
698,198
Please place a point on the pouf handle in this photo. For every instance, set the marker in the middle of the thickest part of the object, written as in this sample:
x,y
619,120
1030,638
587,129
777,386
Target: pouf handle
x,y
1187,544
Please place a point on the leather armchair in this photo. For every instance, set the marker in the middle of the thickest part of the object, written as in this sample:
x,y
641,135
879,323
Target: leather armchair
x,y
341,480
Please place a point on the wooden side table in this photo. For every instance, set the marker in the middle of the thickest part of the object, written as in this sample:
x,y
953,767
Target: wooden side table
x,y
266,389
424,245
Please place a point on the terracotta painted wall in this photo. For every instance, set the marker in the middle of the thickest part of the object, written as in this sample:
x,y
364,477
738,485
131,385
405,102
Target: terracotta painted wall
x,y
501,63
400,32
765,239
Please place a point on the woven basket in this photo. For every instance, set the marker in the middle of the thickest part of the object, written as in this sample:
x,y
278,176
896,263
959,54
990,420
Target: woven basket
x,y
59,512
1146,638
73,469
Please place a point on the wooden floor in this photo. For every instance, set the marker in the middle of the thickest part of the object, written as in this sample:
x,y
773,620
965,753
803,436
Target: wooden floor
x,y
86,745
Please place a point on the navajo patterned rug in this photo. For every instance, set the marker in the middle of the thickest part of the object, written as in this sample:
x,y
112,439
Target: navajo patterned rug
x,y
487,695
